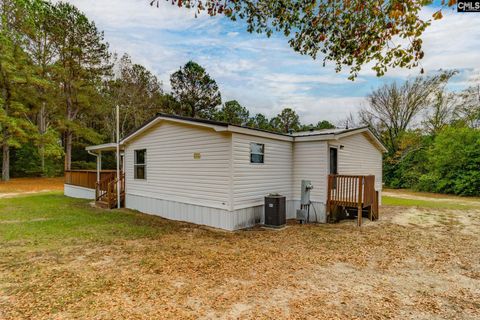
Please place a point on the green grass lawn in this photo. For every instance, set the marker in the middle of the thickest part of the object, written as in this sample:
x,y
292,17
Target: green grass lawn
x,y
54,220
60,258
433,203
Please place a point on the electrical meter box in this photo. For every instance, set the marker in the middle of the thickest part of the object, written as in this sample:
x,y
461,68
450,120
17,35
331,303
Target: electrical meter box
x,y
305,194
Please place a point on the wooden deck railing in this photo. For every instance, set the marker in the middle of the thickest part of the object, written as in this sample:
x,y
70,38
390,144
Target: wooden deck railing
x,y
103,188
85,178
106,191
354,192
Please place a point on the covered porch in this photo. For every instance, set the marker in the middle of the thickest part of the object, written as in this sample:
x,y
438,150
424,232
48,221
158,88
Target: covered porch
x,y
106,187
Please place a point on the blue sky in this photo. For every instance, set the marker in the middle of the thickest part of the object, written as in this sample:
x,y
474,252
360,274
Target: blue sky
x,y
264,74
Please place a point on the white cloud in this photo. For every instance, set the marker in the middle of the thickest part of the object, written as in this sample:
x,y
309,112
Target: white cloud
x,y
304,78
139,13
264,74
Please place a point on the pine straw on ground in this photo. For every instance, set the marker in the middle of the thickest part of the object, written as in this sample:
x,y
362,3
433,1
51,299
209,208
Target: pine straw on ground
x,y
398,268
23,185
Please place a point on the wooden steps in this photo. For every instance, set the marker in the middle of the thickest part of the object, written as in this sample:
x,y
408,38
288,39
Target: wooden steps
x,y
102,204
106,192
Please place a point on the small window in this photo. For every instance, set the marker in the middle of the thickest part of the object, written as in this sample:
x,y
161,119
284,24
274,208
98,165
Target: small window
x,y
333,160
257,151
140,164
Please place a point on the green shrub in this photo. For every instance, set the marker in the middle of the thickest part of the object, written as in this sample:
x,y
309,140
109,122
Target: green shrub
x,y
453,163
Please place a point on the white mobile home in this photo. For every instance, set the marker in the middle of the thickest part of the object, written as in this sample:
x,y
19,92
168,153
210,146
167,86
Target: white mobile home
x,y
217,174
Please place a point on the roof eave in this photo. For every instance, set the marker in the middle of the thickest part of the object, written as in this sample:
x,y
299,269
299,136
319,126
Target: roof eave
x,y
259,133
343,134
158,119
102,147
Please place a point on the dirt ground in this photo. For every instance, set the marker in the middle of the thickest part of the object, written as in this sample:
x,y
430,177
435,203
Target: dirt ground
x,y
29,185
414,263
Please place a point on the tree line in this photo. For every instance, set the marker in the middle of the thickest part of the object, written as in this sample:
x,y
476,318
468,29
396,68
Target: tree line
x,y
60,83
432,135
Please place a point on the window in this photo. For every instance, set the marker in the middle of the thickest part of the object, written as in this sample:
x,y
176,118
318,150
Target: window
x,y
140,164
333,160
257,152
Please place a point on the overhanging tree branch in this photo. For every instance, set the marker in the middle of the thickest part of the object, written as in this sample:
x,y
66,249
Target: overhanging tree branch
x,y
349,33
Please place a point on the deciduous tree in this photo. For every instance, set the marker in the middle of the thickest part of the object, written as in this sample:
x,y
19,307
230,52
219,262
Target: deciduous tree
x,y
441,112
468,107
138,92
392,108
353,33
454,163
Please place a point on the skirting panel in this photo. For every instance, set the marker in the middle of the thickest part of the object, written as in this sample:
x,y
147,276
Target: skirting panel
x,y
78,192
213,217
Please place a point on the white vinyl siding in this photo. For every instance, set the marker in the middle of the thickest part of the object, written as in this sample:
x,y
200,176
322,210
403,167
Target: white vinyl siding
x,y
173,172
252,181
360,157
310,162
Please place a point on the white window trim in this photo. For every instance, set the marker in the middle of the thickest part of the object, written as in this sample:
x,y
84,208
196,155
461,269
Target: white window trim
x,y
263,154
135,164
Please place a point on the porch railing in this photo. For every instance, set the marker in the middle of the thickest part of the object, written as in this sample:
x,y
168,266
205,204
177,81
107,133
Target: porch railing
x,y
352,191
106,191
85,178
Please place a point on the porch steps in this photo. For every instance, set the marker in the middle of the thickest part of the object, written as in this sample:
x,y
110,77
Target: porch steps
x,y
102,204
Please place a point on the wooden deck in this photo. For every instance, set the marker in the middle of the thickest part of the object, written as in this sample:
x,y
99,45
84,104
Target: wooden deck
x,y
105,189
352,192
86,178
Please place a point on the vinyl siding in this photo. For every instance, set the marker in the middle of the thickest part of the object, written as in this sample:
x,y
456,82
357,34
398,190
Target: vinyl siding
x,y
360,157
172,172
310,162
251,182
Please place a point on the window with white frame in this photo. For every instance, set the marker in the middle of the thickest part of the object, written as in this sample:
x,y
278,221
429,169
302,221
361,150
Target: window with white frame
x,y
257,152
140,164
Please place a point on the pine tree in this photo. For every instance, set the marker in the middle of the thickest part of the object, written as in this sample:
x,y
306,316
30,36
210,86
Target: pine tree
x,y
44,94
14,74
286,121
196,91
83,61
233,112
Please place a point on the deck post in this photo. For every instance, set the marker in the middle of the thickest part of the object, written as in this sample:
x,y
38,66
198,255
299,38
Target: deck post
x,y
360,197
99,165
329,195
117,109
